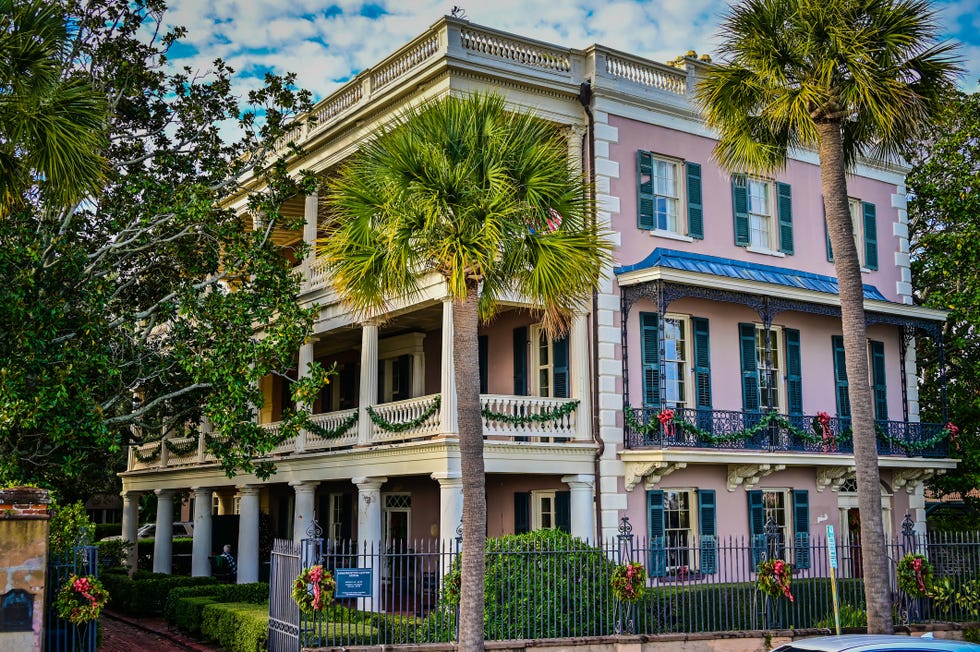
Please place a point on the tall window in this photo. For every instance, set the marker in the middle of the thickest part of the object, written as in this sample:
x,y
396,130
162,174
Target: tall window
x,y
666,198
760,214
776,507
678,527
676,360
669,195
770,382
857,224
549,360
335,521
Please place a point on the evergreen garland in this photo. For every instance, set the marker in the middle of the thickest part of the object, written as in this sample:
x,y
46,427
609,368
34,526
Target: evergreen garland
x,y
553,414
181,449
147,458
332,433
388,426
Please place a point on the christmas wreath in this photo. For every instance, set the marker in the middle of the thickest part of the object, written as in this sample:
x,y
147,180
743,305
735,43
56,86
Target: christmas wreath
x,y
81,599
914,575
629,582
313,589
773,578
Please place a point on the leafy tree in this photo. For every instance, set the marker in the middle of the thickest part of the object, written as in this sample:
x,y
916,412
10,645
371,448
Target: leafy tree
x,y
944,234
850,79
133,292
462,188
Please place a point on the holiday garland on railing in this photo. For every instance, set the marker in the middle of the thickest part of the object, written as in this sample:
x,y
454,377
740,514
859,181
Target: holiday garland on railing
x,y
147,458
547,416
333,433
402,426
179,450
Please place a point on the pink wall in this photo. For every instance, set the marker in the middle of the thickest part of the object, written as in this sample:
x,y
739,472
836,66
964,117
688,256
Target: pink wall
x,y
500,348
808,229
500,498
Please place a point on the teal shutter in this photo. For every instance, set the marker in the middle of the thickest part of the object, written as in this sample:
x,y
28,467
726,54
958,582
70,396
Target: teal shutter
x,y
878,380
794,371
740,207
563,510
757,526
784,208
559,369
840,378
657,566
801,525
870,235
650,354
484,352
522,512
644,190
702,364
708,527
750,372
830,250
520,361
695,207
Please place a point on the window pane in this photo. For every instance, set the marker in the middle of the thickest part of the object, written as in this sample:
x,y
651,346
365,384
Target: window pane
x,y
675,362
677,527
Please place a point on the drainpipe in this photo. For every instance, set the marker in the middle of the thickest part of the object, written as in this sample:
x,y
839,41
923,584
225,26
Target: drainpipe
x,y
585,99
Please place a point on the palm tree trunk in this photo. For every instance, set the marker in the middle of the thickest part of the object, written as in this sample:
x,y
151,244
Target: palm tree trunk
x,y
851,288
466,358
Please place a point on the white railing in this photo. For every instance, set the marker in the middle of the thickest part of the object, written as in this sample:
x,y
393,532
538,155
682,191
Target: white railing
x,y
523,410
190,457
401,412
332,421
317,277
392,70
517,51
149,452
652,75
336,104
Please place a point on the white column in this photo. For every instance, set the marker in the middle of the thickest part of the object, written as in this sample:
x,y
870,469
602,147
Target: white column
x,y
303,371
418,374
917,507
450,425
369,534
450,506
579,361
130,524
163,538
201,546
309,231
202,443
582,505
248,534
303,510
369,381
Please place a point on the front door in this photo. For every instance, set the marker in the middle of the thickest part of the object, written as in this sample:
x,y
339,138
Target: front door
x,y
397,526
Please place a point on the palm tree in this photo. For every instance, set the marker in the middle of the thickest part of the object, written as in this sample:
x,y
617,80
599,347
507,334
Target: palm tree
x,y
849,78
52,125
463,188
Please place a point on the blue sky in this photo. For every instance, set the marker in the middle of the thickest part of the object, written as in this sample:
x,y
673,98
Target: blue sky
x,y
326,42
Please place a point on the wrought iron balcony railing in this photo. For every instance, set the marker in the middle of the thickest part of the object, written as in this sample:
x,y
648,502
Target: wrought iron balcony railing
x,y
773,432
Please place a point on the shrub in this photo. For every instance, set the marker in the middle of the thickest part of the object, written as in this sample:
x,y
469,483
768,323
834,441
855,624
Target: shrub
x,y
186,613
236,626
971,634
146,593
103,530
255,593
69,525
112,554
850,617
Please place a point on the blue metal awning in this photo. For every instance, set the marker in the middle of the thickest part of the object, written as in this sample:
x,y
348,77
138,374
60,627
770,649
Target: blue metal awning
x,y
727,267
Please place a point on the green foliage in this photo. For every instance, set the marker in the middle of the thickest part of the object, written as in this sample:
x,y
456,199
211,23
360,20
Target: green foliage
x,y
954,596
255,593
186,614
113,553
971,634
235,626
146,593
103,530
851,617
70,526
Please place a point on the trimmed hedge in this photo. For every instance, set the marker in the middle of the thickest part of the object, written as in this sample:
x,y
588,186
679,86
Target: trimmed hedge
x,y
256,593
236,626
146,593
186,613
103,530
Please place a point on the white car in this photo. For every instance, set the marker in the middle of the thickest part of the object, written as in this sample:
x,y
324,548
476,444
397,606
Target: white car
x,y
876,643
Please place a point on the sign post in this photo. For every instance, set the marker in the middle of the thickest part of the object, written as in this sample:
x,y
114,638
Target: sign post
x,y
832,552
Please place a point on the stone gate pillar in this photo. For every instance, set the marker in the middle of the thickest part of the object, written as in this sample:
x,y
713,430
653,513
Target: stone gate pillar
x,y
23,567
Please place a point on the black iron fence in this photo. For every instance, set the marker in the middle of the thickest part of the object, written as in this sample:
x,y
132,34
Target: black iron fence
x,y
60,634
553,586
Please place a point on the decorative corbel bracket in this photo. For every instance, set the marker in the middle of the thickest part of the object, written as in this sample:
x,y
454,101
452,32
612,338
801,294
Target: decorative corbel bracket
x,y
649,472
749,474
909,479
833,476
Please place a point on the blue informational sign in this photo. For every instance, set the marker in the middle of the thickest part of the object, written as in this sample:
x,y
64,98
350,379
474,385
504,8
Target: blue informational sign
x,y
832,546
353,582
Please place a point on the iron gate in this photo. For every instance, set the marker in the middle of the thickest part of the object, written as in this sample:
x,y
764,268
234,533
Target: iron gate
x,y
61,635
284,615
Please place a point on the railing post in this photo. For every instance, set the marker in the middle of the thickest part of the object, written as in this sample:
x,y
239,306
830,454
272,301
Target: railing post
x,y
624,551
311,554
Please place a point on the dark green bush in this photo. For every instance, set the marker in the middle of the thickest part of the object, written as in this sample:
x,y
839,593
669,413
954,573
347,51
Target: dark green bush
x,y
236,626
112,554
146,593
255,593
103,530
186,613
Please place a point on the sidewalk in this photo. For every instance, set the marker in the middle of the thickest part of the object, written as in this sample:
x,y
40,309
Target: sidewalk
x,y
124,634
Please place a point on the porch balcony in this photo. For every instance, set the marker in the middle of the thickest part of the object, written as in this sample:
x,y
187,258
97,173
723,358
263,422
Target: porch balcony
x,y
736,430
528,419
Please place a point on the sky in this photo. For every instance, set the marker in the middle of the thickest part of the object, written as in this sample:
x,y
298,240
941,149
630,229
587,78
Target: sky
x,y
327,42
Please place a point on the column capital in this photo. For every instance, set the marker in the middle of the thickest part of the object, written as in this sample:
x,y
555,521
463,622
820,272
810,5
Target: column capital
x,y
249,489
202,490
304,486
447,478
129,494
579,480
165,493
365,483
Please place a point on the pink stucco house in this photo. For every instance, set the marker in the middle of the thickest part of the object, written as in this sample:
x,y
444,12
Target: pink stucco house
x,y
719,318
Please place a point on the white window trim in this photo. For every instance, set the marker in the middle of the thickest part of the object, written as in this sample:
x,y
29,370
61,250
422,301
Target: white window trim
x,y
773,248
536,513
534,386
789,538
670,235
335,507
688,371
777,335
694,538
680,187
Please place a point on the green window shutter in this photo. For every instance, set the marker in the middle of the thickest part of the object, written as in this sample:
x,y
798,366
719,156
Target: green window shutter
x,y
520,361
784,208
750,372
563,510
702,363
840,378
644,189
522,512
870,235
757,526
559,369
484,351
878,380
650,355
695,208
794,371
801,526
830,250
740,207
708,530
655,526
